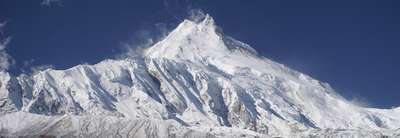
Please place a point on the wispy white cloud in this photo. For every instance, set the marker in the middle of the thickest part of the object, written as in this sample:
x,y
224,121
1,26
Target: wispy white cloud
x,y
142,39
361,101
6,61
2,26
51,2
196,15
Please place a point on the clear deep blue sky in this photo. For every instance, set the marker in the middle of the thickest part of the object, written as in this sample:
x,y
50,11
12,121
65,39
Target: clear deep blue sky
x,y
352,44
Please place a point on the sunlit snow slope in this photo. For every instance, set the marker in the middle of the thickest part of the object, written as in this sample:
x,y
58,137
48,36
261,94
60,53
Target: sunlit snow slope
x,y
196,82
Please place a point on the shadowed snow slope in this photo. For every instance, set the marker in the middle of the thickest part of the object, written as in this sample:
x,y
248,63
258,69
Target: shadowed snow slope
x,y
196,81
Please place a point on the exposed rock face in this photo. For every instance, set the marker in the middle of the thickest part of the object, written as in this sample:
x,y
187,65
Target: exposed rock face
x,y
10,94
194,83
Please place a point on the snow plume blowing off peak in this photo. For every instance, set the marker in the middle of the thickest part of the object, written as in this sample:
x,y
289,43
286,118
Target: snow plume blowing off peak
x,y
187,41
5,59
195,82
195,40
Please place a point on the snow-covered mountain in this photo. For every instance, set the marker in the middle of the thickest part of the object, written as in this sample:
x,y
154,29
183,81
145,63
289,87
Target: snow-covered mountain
x,y
196,82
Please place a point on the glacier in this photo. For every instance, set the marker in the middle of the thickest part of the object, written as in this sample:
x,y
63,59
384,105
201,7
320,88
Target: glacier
x,y
196,82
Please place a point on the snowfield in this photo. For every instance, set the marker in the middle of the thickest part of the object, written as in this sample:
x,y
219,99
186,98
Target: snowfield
x,y
196,82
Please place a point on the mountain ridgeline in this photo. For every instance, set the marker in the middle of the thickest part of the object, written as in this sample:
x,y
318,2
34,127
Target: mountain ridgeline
x,y
196,82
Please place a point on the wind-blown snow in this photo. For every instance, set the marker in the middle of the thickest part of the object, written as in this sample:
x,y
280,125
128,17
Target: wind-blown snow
x,y
197,81
6,61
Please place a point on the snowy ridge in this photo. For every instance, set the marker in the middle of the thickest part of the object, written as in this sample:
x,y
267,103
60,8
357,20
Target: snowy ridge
x,y
196,80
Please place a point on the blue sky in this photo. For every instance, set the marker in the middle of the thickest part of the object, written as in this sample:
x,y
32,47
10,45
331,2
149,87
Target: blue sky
x,y
353,45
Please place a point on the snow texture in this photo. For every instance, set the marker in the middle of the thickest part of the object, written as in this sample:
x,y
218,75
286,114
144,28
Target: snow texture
x,y
194,83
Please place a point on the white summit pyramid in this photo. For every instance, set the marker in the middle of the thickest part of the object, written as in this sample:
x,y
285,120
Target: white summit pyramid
x,y
196,82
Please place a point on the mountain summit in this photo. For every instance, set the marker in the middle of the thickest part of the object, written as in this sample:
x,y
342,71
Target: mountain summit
x,y
196,41
196,82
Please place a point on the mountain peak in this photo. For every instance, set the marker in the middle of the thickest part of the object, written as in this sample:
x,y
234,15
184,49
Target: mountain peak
x,y
195,79
204,20
197,39
191,40
208,21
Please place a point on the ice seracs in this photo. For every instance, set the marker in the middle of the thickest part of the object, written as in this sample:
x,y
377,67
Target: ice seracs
x,y
196,80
